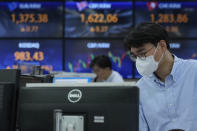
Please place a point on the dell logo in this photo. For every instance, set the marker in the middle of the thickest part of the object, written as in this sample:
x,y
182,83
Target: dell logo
x,y
74,95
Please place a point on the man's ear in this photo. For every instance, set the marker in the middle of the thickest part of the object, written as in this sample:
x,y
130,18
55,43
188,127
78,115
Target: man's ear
x,y
163,45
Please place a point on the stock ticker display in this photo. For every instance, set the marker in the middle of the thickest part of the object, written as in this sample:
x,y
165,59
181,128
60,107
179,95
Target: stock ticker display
x,y
31,19
98,18
86,50
45,53
32,32
178,18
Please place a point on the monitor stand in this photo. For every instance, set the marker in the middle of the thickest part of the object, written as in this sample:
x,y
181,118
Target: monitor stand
x,y
68,122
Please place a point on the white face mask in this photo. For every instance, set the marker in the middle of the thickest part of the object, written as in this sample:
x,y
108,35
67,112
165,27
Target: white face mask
x,y
147,65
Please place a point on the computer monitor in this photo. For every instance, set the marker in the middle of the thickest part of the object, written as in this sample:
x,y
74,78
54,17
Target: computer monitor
x,y
176,16
7,107
9,75
98,18
87,49
73,77
8,98
24,54
30,18
79,107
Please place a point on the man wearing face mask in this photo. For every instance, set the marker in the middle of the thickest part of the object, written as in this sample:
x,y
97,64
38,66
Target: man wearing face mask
x,y
168,88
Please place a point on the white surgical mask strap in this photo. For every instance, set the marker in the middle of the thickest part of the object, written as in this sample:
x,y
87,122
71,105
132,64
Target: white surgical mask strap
x,y
155,50
161,55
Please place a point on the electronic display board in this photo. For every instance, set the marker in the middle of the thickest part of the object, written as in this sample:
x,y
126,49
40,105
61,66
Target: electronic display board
x,y
44,53
31,19
98,18
79,54
178,17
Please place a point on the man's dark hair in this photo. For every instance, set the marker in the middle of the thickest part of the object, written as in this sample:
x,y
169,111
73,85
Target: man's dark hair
x,y
144,33
101,61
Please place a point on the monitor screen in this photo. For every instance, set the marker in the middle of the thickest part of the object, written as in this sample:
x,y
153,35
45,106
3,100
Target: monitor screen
x,y
84,51
177,16
24,53
31,19
186,49
83,107
109,18
72,80
72,77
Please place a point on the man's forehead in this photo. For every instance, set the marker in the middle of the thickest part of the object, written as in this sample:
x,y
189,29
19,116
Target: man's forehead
x,y
140,49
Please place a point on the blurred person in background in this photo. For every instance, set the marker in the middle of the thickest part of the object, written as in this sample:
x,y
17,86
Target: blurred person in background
x,y
102,67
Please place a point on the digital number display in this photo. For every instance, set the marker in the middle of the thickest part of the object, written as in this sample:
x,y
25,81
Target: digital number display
x,y
31,19
178,18
28,56
169,18
86,50
98,19
45,53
